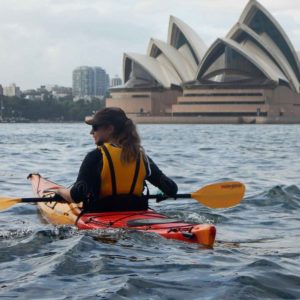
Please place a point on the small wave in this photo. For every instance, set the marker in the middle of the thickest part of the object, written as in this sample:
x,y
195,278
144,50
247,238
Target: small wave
x,y
287,197
263,264
38,235
108,236
57,232
12,234
267,284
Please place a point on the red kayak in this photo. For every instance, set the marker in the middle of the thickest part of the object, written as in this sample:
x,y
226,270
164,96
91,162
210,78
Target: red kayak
x,y
147,221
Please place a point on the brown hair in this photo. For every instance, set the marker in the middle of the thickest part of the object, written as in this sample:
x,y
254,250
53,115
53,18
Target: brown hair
x,y
125,132
129,139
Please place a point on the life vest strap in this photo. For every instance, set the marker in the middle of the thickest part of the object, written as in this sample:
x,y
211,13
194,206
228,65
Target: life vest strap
x,y
112,170
136,173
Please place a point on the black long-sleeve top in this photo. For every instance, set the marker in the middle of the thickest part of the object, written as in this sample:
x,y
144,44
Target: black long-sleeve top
x,y
88,180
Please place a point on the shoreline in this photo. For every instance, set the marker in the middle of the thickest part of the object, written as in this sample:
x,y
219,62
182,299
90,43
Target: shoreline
x,y
137,119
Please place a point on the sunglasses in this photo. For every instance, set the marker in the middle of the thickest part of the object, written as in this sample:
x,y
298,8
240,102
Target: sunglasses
x,y
95,127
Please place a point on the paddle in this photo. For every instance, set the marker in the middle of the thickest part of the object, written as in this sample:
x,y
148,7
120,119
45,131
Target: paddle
x,y
216,195
7,202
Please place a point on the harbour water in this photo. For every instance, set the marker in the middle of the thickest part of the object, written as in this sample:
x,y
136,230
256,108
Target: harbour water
x,y
256,255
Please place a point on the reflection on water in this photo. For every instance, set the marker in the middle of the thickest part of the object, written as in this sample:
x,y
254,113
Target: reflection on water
x,y
257,250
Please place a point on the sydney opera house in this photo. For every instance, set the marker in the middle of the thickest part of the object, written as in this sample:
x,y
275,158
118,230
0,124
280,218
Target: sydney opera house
x,y
250,76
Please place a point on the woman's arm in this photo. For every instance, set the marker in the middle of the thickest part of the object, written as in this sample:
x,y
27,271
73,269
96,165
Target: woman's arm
x,y
160,180
88,179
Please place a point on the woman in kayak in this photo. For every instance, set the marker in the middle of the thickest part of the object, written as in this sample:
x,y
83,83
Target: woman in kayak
x,y
112,177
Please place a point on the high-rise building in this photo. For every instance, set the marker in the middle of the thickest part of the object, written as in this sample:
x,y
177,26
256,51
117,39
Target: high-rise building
x,y
116,81
12,91
101,81
90,82
83,82
107,82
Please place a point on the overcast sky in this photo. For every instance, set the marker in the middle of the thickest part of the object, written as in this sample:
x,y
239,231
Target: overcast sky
x,y
42,41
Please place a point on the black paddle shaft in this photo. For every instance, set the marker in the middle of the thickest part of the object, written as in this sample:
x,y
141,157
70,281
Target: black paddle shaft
x,y
55,198
161,197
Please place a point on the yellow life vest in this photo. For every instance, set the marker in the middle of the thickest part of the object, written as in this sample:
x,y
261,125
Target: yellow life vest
x,y
118,178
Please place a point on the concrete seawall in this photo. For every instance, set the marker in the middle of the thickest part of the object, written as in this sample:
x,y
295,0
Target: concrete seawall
x,y
213,120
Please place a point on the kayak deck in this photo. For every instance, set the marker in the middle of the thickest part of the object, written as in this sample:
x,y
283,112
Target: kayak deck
x,y
147,221
150,221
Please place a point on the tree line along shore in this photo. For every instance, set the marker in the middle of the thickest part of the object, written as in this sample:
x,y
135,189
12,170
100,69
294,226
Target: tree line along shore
x,y
14,109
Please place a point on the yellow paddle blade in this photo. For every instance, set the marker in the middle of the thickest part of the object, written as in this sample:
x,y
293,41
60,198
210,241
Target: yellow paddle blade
x,y
6,202
220,195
